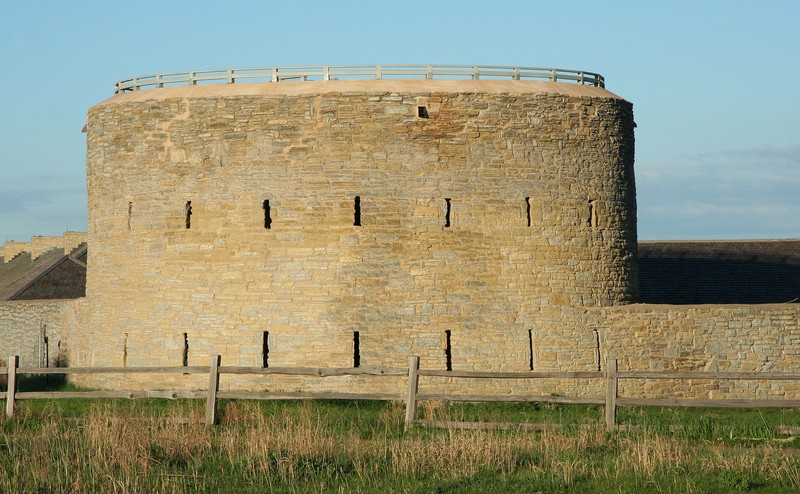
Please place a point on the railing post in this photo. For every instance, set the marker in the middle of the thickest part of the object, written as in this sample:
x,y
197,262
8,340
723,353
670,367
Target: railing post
x,y
612,383
213,387
413,387
11,389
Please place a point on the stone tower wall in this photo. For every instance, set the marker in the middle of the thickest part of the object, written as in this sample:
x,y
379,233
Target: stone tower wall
x,y
538,177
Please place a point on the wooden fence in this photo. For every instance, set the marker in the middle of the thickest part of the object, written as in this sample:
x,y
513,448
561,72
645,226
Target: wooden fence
x,y
611,400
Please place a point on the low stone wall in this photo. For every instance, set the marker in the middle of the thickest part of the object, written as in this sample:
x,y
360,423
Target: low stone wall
x,y
710,338
13,249
37,330
73,240
40,245
758,338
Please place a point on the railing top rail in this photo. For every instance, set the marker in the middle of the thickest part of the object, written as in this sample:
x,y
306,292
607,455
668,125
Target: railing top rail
x,y
349,72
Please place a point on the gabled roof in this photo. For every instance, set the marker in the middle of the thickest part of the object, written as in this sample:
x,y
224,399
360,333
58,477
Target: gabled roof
x,y
719,272
21,274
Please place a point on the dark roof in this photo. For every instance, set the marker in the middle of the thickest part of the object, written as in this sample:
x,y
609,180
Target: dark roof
x,y
719,272
51,275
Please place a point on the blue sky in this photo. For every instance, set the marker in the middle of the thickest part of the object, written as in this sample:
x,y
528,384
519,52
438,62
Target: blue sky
x,y
714,86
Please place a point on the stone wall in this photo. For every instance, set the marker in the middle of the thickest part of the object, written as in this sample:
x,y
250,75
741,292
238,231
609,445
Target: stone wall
x,y
38,330
39,245
218,214
762,338
756,338
496,231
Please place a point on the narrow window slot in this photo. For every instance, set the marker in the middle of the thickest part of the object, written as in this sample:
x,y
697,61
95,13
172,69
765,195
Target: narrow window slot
x,y
125,351
530,349
597,350
265,349
185,350
447,212
267,214
356,349
422,112
528,209
592,220
448,353
130,213
188,213
357,211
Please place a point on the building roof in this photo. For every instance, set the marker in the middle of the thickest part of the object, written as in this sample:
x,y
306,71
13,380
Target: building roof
x,y
719,272
63,274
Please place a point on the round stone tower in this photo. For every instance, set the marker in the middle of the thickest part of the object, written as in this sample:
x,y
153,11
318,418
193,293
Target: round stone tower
x,y
352,222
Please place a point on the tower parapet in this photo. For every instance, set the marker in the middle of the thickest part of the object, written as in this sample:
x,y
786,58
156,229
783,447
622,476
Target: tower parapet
x,y
311,221
358,72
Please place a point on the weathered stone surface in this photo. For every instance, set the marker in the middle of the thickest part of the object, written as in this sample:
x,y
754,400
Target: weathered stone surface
x,y
313,278
537,268
38,330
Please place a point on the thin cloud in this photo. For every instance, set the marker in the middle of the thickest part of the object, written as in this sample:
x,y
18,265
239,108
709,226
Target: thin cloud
x,y
733,193
41,205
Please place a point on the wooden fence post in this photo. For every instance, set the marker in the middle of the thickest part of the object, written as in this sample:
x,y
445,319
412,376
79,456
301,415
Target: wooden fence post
x,y
11,388
213,387
612,383
413,387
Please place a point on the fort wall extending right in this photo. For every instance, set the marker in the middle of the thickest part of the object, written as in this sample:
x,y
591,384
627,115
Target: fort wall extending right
x,y
752,338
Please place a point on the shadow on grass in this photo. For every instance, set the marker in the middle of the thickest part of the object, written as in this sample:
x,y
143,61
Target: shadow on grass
x,y
46,382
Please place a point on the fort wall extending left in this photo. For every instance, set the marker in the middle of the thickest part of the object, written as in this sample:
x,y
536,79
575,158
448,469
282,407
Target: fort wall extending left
x,y
38,330
701,338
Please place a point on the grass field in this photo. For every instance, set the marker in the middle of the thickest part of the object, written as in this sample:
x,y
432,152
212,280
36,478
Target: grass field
x,y
347,446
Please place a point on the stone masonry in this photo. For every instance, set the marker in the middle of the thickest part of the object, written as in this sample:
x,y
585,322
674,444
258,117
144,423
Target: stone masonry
x,y
38,330
218,214
483,225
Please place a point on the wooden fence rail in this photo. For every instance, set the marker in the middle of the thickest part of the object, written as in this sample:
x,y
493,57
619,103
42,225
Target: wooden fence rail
x,y
412,397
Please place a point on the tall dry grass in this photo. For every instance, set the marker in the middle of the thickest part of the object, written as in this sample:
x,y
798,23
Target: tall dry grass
x,y
298,448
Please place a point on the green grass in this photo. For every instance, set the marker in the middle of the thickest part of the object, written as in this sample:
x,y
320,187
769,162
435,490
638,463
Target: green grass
x,y
358,446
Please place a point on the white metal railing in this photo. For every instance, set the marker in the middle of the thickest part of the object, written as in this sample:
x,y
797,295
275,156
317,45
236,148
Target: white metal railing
x,y
350,72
